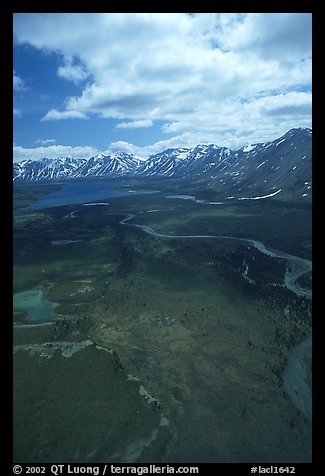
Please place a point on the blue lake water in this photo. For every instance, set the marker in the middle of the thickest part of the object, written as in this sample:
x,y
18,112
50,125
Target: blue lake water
x,y
63,242
38,308
86,191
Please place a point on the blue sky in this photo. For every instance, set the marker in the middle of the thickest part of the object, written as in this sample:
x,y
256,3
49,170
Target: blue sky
x,y
86,84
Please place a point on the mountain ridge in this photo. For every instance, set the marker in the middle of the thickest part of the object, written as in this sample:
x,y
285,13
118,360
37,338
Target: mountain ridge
x,y
283,162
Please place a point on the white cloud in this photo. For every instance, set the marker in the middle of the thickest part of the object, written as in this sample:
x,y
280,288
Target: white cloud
x,y
282,36
236,122
208,73
135,124
44,141
18,83
55,115
124,146
16,112
52,152
71,72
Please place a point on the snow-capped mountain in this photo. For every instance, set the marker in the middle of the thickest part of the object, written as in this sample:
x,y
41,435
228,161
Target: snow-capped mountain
x,y
264,167
61,168
183,162
46,169
165,163
113,166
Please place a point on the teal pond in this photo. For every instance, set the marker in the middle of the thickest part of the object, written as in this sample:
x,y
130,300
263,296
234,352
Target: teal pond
x,y
36,305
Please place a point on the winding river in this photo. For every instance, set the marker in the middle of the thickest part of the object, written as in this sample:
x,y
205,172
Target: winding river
x,y
299,266
294,376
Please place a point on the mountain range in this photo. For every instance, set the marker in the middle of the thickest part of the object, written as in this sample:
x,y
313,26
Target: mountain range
x,y
284,163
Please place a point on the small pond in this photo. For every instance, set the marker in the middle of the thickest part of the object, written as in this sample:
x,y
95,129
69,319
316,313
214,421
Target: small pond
x,y
38,308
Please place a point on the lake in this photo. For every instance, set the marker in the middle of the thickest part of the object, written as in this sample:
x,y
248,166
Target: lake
x,y
80,192
38,308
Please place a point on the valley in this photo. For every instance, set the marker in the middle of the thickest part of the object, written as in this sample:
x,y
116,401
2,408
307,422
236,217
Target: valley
x,y
168,344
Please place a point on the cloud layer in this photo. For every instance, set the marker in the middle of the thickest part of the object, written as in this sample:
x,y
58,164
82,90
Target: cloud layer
x,y
206,77
52,152
54,115
18,83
